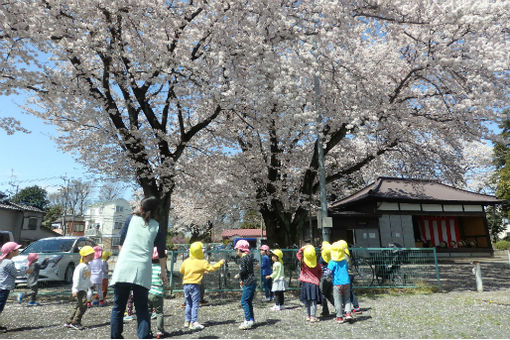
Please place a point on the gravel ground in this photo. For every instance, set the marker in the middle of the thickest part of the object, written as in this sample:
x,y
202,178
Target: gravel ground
x,y
457,311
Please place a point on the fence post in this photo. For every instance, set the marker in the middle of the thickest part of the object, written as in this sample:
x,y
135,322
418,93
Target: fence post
x,y
437,268
171,279
478,276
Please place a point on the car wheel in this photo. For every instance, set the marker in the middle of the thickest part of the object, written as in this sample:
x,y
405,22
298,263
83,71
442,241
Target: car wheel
x,y
68,276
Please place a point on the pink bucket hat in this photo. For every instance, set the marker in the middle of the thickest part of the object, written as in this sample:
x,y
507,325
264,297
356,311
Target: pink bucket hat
x,y
8,247
243,246
98,252
31,258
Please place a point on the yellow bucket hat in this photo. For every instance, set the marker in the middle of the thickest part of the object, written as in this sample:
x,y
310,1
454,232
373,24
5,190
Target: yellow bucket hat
x,y
195,250
326,251
345,247
337,251
278,253
309,256
84,251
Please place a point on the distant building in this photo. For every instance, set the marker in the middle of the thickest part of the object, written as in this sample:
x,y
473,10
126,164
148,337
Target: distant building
x,y
24,222
75,225
104,220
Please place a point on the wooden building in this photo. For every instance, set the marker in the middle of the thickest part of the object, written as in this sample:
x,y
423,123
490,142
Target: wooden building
x,y
414,213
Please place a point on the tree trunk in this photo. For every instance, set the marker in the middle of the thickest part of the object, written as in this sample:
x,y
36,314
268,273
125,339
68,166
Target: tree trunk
x,y
282,228
162,213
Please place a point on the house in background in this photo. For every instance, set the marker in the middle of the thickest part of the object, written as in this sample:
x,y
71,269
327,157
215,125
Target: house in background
x,y
75,225
414,213
24,222
103,222
256,237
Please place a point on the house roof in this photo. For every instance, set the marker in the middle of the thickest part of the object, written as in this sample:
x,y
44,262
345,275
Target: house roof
x,y
18,207
414,190
243,233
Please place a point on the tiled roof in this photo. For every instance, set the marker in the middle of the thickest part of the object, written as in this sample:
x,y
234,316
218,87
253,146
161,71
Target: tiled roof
x,y
243,233
18,207
408,190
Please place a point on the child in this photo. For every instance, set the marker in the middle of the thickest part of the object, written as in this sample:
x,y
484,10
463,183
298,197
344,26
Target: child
x,y
106,256
338,265
248,282
156,295
96,276
193,269
81,284
326,284
8,274
310,276
265,270
278,277
128,315
33,270
355,305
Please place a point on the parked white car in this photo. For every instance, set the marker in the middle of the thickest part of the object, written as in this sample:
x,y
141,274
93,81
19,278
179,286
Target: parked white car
x,y
63,254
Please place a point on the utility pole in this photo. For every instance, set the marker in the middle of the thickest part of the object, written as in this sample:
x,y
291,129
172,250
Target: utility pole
x,y
323,222
65,192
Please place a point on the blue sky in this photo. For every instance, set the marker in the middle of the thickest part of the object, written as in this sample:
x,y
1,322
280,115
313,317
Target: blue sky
x,y
33,159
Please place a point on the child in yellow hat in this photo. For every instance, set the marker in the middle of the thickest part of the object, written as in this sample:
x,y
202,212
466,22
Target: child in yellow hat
x,y
326,284
81,284
193,269
279,285
341,283
310,276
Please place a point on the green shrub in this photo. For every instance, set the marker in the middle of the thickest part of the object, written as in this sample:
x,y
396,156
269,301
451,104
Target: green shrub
x,y
502,245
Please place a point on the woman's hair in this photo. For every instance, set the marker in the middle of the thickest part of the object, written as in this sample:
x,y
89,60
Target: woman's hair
x,y
148,208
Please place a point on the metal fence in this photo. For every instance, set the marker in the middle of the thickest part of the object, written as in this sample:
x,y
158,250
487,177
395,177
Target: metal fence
x,y
371,267
394,267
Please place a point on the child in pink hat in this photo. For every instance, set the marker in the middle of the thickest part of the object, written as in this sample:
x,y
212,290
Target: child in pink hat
x,y
8,273
33,269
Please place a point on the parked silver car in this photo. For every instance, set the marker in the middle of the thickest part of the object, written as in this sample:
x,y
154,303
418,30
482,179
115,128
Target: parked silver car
x,y
63,254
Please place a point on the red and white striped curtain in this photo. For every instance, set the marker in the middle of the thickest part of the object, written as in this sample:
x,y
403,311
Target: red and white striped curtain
x,y
440,228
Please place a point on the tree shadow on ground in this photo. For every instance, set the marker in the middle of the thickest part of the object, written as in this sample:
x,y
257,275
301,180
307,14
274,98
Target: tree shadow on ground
x,y
98,325
28,328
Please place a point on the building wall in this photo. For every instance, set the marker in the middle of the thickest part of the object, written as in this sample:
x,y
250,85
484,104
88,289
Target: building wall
x,y
10,220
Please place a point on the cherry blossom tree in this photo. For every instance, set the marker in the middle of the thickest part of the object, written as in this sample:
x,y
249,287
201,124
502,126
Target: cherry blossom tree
x,y
129,84
405,86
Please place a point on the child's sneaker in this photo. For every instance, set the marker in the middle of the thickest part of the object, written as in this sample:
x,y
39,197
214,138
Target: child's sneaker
x,y
186,324
349,318
246,324
357,311
30,304
20,297
67,325
128,318
195,326
89,304
275,308
339,319
159,335
76,326
101,303
154,315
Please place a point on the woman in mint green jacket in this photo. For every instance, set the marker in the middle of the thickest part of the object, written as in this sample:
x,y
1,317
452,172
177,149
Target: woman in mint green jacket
x,y
133,269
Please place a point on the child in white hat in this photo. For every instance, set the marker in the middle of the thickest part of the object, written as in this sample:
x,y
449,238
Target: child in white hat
x,y
8,273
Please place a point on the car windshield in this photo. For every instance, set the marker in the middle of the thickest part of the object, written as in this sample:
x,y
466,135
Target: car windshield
x,y
49,246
